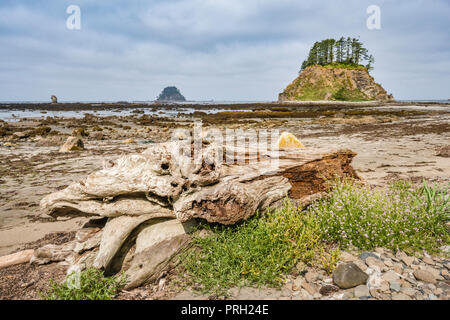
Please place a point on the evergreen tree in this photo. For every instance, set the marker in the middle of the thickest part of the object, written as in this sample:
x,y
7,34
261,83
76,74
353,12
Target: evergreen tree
x,y
345,51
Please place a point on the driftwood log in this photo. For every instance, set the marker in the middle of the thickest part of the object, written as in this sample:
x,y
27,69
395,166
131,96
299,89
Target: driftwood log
x,y
150,200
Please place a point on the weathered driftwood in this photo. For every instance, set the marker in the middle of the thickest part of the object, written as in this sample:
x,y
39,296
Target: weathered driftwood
x,y
16,258
149,198
165,181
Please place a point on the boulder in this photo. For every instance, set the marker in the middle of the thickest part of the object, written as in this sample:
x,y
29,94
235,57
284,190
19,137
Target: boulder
x,y
288,140
349,275
72,144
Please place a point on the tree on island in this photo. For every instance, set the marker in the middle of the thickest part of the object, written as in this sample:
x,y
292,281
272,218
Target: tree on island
x,y
171,94
345,51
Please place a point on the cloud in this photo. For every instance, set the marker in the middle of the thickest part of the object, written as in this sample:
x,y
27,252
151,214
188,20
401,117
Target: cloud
x,y
210,49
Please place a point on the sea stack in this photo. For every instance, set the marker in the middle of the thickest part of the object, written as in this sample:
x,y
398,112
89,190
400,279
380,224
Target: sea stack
x,y
171,94
336,69
54,99
317,83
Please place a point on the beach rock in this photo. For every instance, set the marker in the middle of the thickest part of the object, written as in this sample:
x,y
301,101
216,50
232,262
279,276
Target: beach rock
x,y
347,257
390,275
394,285
131,140
424,275
407,260
79,132
374,262
72,144
367,254
328,289
21,135
400,296
361,291
97,135
288,140
16,258
428,260
310,288
443,152
311,276
51,141
349,275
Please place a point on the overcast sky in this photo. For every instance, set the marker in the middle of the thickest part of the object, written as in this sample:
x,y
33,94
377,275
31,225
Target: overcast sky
x,y
210,49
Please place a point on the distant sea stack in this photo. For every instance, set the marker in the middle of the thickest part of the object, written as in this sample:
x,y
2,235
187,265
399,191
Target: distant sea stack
x,y
171,94
334,83
335,70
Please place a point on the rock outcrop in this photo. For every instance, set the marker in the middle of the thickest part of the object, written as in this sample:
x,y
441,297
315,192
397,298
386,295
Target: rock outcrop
x,y
72,144
317,83
171,94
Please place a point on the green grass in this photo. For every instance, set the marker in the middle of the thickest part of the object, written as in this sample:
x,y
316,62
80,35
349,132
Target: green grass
x,y
351,66
345,94
90,285
257,252
263,249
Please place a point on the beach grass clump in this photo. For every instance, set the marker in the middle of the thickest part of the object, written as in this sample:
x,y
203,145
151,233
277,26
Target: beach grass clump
x,y
89,284
257,252
399,218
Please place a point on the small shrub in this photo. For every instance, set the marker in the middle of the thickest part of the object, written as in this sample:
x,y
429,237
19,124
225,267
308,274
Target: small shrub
x,y
401,217
91,285
257,252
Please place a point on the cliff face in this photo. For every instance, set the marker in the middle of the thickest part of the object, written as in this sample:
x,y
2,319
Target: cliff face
x,y
334,83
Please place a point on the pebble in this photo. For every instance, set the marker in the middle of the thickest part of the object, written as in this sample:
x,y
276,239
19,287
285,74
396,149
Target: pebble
x,y
408,291
428,260
394,286
408,260
400,296
361,291
391,276
347,257
310,288
311,276
371,262
348,275
388,262
367,254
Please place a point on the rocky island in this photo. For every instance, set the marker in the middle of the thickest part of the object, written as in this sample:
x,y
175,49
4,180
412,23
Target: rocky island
x,y
334,71
171,94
